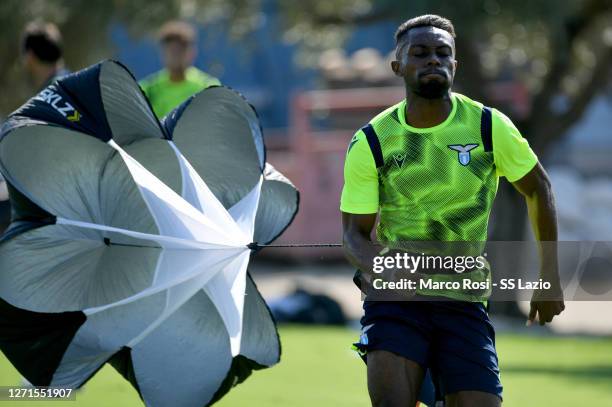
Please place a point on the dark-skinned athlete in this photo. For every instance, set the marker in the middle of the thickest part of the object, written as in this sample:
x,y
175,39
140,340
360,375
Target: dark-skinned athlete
x,y
429,168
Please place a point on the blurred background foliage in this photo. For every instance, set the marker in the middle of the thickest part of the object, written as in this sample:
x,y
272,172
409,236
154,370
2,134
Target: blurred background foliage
x,y
561,52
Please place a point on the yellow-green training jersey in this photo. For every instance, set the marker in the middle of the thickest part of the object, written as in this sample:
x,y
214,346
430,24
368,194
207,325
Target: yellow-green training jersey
x,y
164,94
437,183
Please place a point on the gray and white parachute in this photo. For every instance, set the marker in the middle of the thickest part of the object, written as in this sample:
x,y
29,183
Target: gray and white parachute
x,y
128,241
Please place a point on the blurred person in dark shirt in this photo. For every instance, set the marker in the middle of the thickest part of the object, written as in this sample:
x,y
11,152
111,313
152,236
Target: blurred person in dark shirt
x,y
42,59
42,55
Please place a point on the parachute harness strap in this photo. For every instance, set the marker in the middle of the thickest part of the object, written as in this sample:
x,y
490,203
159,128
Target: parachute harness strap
x,y
256,246
252,246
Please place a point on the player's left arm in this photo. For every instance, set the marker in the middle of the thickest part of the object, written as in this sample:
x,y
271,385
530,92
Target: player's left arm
x,y
515,160
536,188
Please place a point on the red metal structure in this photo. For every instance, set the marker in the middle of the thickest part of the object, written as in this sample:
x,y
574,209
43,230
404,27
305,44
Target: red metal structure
x,y
314,159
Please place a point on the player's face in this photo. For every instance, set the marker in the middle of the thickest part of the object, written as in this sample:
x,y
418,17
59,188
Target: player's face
x,y
425,59
177,55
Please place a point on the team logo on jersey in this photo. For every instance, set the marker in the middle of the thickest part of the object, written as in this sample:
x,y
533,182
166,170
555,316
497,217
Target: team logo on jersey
x,y
59,104
399,159
463,151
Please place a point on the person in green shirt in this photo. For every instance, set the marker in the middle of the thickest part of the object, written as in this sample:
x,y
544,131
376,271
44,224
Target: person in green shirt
x,y
428,169
179,80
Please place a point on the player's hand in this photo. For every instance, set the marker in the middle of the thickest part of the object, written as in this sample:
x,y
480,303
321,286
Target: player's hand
x,y
544,310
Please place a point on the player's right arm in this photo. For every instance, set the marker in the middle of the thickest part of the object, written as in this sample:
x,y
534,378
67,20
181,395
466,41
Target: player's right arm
x,y
358,246
359,204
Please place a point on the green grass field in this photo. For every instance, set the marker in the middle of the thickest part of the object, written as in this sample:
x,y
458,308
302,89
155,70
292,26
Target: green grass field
x,y
318,369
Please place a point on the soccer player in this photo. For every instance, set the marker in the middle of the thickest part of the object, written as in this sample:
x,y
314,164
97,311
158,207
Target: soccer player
x,y
42,54
179,80
429,167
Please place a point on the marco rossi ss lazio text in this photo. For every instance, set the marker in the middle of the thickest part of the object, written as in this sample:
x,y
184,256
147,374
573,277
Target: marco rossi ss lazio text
x,y
458,264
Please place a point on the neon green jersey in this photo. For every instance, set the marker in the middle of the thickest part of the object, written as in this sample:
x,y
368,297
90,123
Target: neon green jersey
x,y
165,94
437,183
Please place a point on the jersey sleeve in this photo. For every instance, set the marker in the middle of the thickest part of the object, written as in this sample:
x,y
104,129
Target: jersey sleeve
x,y
513,156
204,79
360,191
212,81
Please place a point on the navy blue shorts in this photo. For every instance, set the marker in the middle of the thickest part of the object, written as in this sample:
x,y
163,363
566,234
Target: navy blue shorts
x,y
454,340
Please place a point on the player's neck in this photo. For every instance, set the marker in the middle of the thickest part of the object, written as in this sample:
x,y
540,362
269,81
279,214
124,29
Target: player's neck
x,y
424,113
44,73
176,75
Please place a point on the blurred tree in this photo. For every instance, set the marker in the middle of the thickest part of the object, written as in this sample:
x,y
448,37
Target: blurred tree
x,y
85,28
560,51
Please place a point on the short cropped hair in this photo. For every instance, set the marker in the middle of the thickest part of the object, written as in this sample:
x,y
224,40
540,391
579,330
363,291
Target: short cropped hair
x,y
177,30
427,20
43,40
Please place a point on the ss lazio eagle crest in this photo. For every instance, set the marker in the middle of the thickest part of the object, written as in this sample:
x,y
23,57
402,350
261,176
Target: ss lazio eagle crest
x,y
463,152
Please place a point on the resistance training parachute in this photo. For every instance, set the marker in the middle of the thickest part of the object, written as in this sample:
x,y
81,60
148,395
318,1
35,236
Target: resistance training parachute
x,y
129,240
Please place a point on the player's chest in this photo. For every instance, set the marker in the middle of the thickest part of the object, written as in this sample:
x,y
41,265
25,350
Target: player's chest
x,y
441,157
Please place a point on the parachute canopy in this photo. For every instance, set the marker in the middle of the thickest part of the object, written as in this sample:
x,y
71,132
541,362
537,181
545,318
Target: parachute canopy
x,y
128,241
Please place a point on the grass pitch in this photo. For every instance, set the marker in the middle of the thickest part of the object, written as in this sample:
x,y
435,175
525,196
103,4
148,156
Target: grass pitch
x,y
319,369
